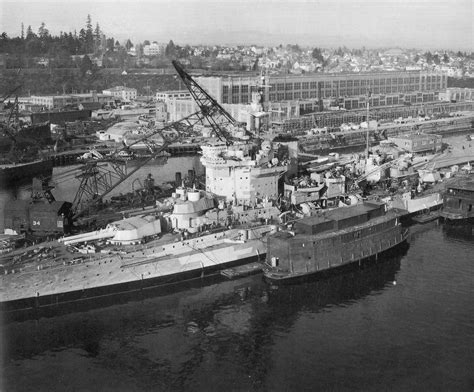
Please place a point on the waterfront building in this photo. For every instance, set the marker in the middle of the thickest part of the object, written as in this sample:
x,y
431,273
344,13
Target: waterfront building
x,y
118,132
458,94
177,108
61,101
381,100
289,96
122,92
168,95
418,143
161,115
238,89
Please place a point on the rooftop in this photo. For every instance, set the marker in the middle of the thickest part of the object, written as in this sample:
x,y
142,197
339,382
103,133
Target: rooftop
x,y
65,96
416,136
120,88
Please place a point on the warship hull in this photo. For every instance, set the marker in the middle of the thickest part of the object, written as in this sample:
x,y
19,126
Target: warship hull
x,y
22,173
330,241
79,281
59,300
361,263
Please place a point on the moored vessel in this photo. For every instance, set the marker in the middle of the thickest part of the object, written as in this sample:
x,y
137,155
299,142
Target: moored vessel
x,y
332,239
458,200
196,240
20,158
21,173
205,233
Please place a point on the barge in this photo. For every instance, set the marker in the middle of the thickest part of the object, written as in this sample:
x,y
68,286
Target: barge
x,y
458,200
331,240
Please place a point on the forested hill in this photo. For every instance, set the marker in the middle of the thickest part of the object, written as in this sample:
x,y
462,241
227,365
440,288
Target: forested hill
x,y
59,51
59,81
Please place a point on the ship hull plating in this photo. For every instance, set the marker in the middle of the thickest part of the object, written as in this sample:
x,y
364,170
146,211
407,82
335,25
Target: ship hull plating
x,y
274,278
342,236
24,173
59,300
104,275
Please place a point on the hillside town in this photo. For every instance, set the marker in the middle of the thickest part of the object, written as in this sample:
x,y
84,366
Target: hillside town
x,y
92,48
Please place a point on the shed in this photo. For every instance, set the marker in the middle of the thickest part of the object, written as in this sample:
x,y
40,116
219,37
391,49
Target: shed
x,y
118,131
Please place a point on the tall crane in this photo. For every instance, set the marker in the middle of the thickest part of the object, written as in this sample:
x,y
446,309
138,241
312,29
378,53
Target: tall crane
x,y
9,93
10,130
216,116
100,176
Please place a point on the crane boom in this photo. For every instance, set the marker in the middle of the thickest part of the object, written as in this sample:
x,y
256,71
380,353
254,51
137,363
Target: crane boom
x,y
9,93
10,129
100,176
217,117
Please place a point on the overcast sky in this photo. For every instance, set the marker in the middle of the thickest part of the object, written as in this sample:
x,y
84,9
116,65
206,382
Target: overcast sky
x,y
434,24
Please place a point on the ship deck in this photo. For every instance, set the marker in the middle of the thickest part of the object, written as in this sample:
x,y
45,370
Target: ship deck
x,y
51,254
391,214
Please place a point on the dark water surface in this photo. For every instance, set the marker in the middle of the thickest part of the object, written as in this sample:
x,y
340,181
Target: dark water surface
x,y
403,324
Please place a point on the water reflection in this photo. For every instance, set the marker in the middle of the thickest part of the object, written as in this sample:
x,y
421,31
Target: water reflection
x,y
334,333
165,341
237,308
463,231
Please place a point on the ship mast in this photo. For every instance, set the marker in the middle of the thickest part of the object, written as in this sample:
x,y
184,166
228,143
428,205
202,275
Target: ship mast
x,y
367,136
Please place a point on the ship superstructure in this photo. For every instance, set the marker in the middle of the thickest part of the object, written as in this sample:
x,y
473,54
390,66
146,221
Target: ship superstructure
x,y
243,171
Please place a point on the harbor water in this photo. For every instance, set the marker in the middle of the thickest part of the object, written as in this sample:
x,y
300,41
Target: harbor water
x,y
402,323
66,182
399,324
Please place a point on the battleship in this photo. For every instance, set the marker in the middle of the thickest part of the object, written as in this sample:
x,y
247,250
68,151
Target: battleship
x,y
209,230
201,236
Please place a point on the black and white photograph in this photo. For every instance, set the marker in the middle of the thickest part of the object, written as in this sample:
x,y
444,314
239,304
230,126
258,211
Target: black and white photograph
x,y
236,195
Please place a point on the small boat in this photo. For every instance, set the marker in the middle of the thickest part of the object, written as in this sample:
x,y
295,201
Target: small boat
x,y
426,217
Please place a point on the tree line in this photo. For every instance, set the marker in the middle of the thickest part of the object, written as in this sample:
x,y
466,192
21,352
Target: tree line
x,y
57,49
